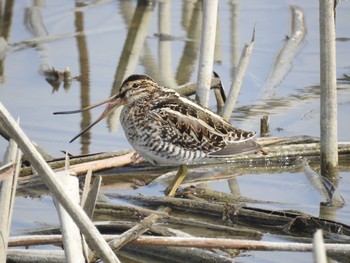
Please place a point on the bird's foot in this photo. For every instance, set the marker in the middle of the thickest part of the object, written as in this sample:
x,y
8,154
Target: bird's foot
x,y
136,158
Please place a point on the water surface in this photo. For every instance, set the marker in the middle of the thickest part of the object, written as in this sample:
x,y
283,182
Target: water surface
x,y
95,42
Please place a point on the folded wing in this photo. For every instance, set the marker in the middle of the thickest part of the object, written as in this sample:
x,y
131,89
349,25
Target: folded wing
x,y
191,126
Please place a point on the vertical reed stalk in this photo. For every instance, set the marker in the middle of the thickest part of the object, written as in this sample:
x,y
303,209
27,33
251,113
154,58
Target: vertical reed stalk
x,y
7,196
206,58
328,117
238,79
318,248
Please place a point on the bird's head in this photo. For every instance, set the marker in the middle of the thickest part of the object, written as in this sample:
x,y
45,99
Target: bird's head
x,y
134,88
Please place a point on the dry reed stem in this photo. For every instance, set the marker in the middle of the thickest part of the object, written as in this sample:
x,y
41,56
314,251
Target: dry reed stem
x,y
238,79
76,212
318,249
71,234
198,242
207,47
7,196
328,83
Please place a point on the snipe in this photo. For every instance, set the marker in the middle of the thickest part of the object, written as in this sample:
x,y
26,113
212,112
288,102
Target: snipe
x,y
166,128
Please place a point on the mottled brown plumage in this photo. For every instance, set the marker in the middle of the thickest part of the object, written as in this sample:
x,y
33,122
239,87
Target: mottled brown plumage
x,y
168,129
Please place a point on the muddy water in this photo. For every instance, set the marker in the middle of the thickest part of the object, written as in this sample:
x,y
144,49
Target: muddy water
x,y
104,42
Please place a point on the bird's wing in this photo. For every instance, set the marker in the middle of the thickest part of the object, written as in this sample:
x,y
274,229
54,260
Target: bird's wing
x,y
190,125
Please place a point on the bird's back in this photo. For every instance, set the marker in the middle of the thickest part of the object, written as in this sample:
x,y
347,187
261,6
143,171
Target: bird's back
x,y
167,128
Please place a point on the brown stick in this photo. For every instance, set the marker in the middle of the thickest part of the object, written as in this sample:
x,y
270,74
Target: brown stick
x,y
133,232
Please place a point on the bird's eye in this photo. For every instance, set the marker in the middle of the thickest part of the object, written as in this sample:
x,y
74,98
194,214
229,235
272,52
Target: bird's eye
x,y
136,85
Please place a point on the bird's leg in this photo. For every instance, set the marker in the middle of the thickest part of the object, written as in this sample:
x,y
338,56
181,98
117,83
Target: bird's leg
x,y
181,174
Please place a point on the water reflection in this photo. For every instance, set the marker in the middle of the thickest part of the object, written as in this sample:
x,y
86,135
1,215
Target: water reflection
x,y
34,23
166,76
234,36
134,42
84,80
5,26
192,25
294,100
285,57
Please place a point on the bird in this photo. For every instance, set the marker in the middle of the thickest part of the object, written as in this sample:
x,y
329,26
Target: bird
x,y
166,128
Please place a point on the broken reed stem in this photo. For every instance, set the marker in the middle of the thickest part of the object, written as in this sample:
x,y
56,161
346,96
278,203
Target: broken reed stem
x,y
206,56
92,196
318,249
35,255
72,241
87,161
264,126
328,116
75,211
238,79
198,242
7,196
235,244
324,186
133,232
99,165
282,147
87,187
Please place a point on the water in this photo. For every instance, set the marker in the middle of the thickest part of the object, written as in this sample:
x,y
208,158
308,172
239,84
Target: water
x,y
96,56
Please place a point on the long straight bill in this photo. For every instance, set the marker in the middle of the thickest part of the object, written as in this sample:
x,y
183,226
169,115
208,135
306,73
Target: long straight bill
x,y
86,108
113,103
104,114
